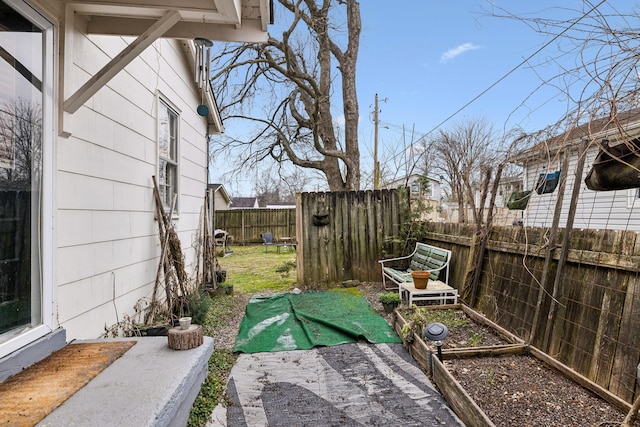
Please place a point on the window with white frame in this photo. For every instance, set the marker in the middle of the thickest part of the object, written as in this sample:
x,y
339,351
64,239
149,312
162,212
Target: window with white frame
x,y
415,190
168,121
26,117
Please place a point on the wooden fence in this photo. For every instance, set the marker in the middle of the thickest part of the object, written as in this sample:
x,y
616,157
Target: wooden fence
x,y
342,235
592,323
246,225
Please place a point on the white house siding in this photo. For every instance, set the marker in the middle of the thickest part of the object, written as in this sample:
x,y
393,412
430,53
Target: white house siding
x,y
107,244
595,209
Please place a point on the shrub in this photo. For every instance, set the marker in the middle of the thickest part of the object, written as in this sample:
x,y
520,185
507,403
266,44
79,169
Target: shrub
x,y
199,303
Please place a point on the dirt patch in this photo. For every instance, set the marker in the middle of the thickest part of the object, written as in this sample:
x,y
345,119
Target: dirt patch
x,y
523,391
464,332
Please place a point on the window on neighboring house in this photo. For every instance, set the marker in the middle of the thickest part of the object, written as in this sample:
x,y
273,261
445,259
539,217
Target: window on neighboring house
x,y
168,121
415,190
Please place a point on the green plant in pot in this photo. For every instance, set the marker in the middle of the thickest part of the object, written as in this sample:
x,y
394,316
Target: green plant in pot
x,y
389,300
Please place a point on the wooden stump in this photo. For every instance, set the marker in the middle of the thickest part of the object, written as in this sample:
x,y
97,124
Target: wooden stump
x,y
185,339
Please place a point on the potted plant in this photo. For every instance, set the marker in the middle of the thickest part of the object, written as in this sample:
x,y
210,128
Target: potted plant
x,y
389,300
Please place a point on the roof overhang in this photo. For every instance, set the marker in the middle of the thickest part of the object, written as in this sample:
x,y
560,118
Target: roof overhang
x,y
217,20
222,20
625,127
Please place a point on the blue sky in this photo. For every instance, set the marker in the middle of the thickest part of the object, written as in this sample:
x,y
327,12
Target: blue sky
x,y
427,59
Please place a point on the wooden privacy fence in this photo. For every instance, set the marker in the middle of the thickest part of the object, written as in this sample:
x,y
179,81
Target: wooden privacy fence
x,y
593,323
341,235
247,224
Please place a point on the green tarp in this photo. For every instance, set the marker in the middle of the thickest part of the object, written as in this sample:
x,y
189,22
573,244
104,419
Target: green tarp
x,y
300,322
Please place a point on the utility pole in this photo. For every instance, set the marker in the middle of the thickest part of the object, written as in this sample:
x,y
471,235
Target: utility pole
x,y
376,164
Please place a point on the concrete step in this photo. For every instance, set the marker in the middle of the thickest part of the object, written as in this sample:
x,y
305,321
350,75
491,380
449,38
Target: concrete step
x,y
149,385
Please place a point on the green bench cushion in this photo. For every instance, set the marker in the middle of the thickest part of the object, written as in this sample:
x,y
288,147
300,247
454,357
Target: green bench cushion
x,y
398,275
425,258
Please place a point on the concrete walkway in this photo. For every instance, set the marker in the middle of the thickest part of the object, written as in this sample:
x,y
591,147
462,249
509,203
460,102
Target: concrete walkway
x,y
346,385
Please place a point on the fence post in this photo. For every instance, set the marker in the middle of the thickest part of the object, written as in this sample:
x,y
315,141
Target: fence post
x,y
542,291
565,238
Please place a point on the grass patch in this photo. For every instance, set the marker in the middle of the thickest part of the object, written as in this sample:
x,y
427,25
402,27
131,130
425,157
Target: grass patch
x,y
251,270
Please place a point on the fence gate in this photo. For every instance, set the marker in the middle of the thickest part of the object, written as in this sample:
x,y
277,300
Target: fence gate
x,y
342,235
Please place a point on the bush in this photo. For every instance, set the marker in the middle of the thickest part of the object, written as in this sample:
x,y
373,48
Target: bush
x,y
199,303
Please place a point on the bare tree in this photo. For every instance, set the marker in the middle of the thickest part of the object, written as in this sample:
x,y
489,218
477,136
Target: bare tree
x,y
295,76
596,48
273,188
464,155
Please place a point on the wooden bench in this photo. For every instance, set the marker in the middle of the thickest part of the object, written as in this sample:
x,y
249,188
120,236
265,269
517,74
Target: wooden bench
x,y
396,274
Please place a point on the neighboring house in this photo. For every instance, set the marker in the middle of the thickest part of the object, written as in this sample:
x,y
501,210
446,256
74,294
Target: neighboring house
x,y
221,199
431,195
244,203
617,209
502,215
107,90
507,186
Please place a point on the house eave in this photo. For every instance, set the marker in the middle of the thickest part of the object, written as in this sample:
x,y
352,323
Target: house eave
x,y
150,20
558,145
242,20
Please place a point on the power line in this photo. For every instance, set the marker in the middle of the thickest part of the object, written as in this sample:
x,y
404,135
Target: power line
x,y
523,62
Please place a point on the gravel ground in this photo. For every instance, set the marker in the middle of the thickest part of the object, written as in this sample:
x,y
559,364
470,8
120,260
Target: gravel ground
x,y
226,337
513,391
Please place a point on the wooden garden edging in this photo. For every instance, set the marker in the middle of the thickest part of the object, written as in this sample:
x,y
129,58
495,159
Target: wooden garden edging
x,y
461,402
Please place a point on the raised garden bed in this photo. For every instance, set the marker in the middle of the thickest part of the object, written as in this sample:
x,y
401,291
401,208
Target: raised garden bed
x,y
469,332
510,383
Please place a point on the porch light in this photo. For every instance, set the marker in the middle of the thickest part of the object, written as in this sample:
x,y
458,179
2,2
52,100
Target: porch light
x,y
436,332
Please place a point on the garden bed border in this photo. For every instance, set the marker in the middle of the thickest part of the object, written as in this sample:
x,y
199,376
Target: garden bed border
x,y
461,402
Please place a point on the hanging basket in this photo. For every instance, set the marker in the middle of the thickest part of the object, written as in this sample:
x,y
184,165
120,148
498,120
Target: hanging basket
x,y
320,219
547,182
420,279
519,200
616,167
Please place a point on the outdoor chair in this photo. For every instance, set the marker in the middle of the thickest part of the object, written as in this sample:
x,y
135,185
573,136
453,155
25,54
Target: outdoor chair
x,y
267,240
